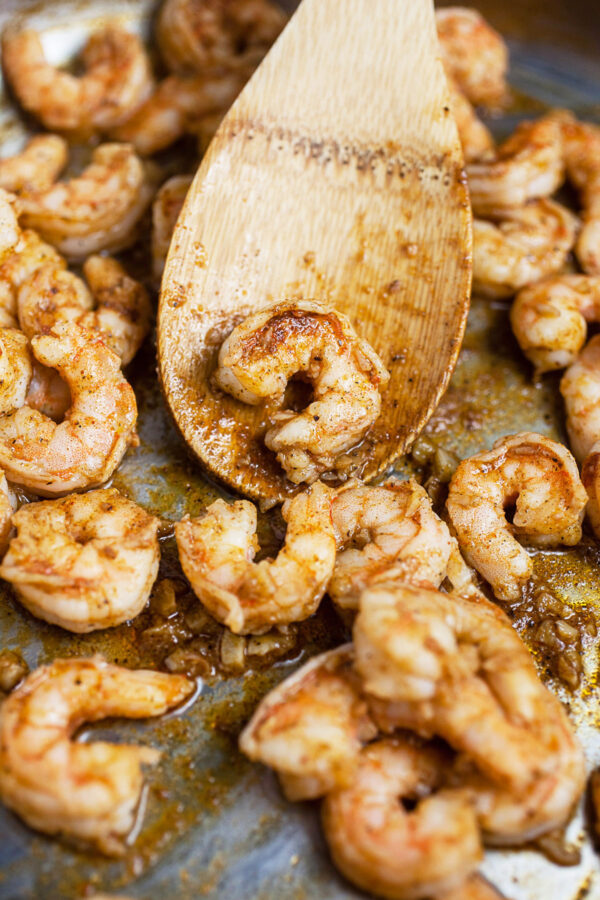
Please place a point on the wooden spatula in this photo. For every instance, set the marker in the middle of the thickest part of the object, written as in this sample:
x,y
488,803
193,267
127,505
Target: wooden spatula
x,y
336,175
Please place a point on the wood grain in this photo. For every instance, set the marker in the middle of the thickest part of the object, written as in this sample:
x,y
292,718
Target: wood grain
x,y
337,175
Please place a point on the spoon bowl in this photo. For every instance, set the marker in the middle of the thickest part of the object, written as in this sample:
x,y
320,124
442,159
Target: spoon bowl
x,y
337,175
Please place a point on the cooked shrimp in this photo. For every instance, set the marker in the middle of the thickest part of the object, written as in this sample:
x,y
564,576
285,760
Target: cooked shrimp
x,y
84,449
527,166
524,246
217,551
8,504
9,227
311,727
537,476
117,79
549,318
378,526
455,667
385,849
590,476
165,212
580,387
473,54
86,791
29,253
582,155
200,35
37,166
269,347
15,369
173,109
476,140
95,211
84,562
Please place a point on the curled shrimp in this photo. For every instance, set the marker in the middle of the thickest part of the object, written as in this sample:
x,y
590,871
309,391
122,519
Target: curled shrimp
x,y
89,792
580,388
97,210
16,369
389,851
473,54
454,667
85,449
197,36
378,526
261,355
29,253
475,139
536,476
525,245
37,166
117,79
9,228
581,142
217,551
167,205
590,476
177,105
527,166
83,562
549,318
311,727
122,314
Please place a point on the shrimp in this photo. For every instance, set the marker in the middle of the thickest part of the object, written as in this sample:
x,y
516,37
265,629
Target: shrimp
x,y
524,246
537,476
311,727
117,80
96,210
167,205
582,155
84,562
387,850
174,107
203,35
29,253
590,476
8,504
476,140
549,319
378,526
122,315
453,666
85,449
37,166
217,550
16,369
529,165
9,228
474,55
261,355
86,791
580,388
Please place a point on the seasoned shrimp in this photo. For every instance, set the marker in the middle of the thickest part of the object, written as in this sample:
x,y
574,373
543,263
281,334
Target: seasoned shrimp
x,y
88,792
28,254
8,504
261,355
37,166
529,165
524,246
200,35
582,155
473,54
165,211
456,668
83,562
217,551
117,79
9,227
96,210
84,449
549,318
311,728
15,369
537,476
122,314
175,107
475,139
580,387
590,476
387,850
378,526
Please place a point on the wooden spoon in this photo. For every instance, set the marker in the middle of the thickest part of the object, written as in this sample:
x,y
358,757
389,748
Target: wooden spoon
x,y
336,175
